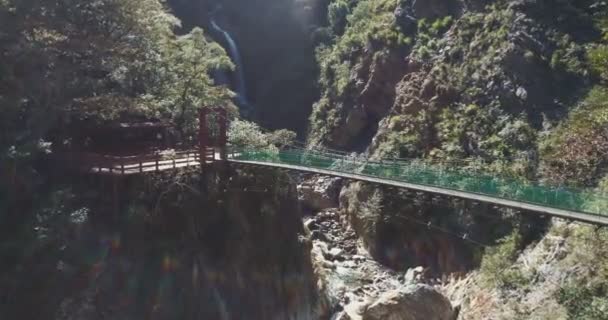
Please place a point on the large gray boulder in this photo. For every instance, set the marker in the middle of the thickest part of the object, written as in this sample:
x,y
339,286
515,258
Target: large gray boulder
x,y
417,302
320,192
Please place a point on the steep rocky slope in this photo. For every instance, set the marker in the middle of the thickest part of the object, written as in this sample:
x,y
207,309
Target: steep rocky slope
x,y
229,244
563,276
352,285
508,87
485,85
509,69
174,250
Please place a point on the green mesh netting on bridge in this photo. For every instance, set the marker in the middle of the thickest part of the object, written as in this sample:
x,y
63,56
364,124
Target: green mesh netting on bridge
x,y
415,172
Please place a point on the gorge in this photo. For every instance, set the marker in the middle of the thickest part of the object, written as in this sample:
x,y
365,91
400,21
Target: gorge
x,y
508,88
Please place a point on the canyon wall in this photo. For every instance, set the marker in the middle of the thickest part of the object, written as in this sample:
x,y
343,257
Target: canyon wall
x,y
276,43
178,247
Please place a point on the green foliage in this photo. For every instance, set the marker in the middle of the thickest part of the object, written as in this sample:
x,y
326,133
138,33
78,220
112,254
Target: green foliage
x,y
281,138
250,135
369,27
336,14
428,34
584,302
479,39
368,22
33,234
591,251
497,264
586,296
568,56
64,61
576,151
186,85
372,20
598,57
407,136
441,25
470,131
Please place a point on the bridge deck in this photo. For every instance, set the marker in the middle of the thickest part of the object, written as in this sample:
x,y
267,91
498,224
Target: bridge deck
x,y
566,214
112,165
129,165
145,166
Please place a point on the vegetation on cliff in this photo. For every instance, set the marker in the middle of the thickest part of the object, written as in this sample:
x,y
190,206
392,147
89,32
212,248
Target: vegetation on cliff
x,y
518,88
482,83
66,61
106,60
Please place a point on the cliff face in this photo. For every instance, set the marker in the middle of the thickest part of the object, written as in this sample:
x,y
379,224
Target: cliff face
x,y
448,80
562,276
495,83
482,80
176,250
276,44
452,79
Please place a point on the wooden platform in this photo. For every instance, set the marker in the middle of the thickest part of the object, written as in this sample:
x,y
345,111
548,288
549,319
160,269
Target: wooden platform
x,y
129,165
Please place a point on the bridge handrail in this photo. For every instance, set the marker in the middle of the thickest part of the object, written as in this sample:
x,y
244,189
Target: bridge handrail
x,y
452,164
502,188
91,161
449,165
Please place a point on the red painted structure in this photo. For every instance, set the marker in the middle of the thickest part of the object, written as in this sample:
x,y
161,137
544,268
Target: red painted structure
x,y
212,141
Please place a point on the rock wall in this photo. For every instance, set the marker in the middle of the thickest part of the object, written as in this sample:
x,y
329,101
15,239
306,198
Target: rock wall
x,y
178,248
443,81
554,278
354,286
276,44
403,229
507,58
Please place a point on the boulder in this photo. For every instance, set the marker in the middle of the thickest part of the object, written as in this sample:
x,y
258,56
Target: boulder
x,y
320,193
419,302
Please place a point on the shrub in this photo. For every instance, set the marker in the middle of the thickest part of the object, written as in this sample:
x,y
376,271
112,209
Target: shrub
x,y
584,301
598,57
336,14
497,264
577,150
250,135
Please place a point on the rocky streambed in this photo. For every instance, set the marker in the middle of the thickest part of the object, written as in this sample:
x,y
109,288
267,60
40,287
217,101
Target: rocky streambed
x,y
352,284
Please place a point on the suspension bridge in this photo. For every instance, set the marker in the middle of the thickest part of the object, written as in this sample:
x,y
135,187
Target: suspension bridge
x,y
448,180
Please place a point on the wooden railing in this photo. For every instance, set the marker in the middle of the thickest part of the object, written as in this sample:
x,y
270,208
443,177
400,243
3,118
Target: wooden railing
x,y
121,165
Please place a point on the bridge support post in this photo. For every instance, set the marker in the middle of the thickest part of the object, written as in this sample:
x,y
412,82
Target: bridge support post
x,y
203,135
222,118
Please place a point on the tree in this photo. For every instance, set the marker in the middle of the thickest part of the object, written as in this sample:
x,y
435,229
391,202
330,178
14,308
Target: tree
x,y
250,135
186,85
336,14
68,60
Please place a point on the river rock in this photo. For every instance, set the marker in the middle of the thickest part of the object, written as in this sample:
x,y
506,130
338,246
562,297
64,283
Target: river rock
x,y
418,302
414,274
319,193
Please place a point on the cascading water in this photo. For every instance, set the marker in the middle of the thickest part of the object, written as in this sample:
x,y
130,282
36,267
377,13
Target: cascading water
x,y
239,83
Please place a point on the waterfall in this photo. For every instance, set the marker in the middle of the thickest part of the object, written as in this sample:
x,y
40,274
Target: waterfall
x,y
239,87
